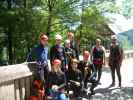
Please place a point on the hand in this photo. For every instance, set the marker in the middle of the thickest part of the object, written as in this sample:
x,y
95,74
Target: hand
x,y
67,67
86,68
41,93
55,88
77,83
104,63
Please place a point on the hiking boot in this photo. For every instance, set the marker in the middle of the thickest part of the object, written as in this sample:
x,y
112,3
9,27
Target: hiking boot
x,y
120,85
112,85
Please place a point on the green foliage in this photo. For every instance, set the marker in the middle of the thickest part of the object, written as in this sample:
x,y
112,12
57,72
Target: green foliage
x,y
93,24
127,8
22,21
26,19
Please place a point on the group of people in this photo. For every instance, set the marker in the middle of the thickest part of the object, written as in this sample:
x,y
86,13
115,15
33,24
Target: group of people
x,y
67,71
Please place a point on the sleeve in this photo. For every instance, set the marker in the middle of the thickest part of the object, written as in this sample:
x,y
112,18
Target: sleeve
x,y
91,53
49,81
121,55
65,58
110,59
67,76
104,53
31,55
51,55
93,68
76,49
81,77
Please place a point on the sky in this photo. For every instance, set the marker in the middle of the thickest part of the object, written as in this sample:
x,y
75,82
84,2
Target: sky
x,y
119,2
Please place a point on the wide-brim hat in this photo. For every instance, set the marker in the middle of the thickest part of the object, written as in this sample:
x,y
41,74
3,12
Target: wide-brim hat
x,y
113,37
58,37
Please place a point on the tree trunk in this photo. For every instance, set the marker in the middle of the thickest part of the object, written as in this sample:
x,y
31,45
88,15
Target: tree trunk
x,y
48,30
9,36
50,9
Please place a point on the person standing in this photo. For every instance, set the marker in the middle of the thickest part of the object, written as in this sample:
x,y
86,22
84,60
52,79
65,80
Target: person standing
x,y
69,53
40,55
73,44
115,59
57,52
98,58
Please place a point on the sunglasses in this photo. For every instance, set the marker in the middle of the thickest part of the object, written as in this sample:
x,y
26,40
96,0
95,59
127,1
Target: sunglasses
x,y
44,39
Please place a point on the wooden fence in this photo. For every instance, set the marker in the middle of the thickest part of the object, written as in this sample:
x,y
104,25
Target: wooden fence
x,y
15,80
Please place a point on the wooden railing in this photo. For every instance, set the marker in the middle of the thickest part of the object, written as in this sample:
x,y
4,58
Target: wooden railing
x,y
16,80
127,54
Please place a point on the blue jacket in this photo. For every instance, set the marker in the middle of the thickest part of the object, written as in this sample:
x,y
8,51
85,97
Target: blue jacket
x,y
39,54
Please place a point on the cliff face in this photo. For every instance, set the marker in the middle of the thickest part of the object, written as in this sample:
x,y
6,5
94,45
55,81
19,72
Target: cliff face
x,y
126,38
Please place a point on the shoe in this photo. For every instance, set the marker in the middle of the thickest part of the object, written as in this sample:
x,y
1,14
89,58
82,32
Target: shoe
x,y
112,85
99,83
120,85
92,93
85,86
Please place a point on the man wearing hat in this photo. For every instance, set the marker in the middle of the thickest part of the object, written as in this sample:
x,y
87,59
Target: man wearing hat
x,y
115,59
57,51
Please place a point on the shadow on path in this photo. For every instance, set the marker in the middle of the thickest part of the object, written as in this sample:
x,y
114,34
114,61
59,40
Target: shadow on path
x,y
125,93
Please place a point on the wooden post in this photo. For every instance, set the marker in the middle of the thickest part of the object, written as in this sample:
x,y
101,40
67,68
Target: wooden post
x,y
27,90
7,91
17,90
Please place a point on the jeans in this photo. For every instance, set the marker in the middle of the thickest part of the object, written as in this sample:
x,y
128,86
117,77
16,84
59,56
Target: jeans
x,y
58,95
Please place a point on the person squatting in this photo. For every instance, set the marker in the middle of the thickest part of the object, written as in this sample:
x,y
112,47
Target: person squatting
x,y
68,73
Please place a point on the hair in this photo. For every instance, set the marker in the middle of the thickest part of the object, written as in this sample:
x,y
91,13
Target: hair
x,y
42,34
98,40
58,67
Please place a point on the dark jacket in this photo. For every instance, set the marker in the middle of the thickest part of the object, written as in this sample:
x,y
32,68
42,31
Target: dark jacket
x,y
74,46
75,75
56,79
58,52
98,55
116,54
69,54
83,64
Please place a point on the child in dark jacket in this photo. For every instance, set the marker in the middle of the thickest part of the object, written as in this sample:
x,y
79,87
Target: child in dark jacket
x,y
75,78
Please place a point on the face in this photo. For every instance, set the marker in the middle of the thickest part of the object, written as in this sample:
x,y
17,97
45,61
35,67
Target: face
x,y
113,41
67,45
85,57
98,43
43,41
58,41
74,65
56,67
70,37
